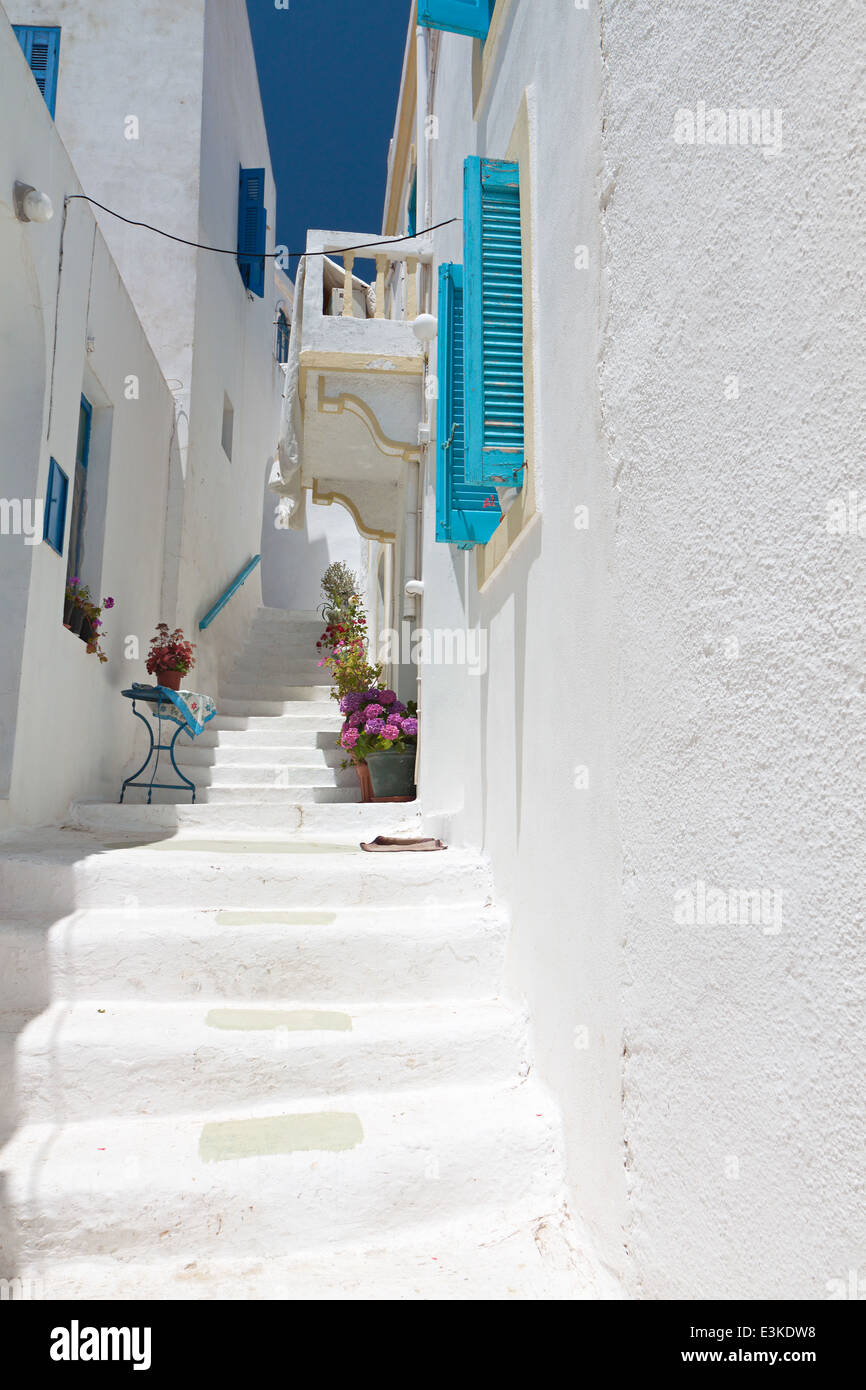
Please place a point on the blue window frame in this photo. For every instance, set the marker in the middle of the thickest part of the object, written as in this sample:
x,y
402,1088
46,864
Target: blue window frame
x,y
78,517
283,334
493,262
54,523
41,47
465,516
252,230
457,16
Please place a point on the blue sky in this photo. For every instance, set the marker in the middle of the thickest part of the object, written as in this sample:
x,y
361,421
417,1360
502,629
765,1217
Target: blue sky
x,y
329,71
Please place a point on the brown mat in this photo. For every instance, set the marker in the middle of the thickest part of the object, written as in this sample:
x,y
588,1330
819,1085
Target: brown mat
x,y
384,844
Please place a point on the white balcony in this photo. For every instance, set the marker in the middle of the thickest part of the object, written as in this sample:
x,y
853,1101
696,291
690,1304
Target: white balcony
x,y
360,375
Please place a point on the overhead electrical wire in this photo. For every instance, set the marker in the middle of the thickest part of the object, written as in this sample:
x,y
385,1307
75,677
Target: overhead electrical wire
x,y
260,255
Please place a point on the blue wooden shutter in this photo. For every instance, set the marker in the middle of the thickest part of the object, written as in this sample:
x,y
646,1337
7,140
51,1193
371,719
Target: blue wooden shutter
x,y
54,523
41,47
252,230
412,209
465,515
457,16
493,261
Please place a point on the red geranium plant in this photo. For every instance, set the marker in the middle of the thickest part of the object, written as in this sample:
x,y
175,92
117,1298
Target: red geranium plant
x,y
170,651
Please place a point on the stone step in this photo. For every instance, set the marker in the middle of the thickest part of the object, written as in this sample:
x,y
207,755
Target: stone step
x,y
317,958
249,795
92,1058
361,820
268,1180
312,715
66,869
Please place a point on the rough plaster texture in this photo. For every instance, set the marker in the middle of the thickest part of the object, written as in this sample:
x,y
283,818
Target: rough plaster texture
x,y
744,771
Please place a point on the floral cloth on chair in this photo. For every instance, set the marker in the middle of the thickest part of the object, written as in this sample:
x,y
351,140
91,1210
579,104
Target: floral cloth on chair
x,y
191,708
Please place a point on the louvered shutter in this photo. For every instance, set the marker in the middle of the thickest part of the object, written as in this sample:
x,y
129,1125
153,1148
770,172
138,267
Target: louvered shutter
x,y
252,230
41,48
465,515
457,16
493,265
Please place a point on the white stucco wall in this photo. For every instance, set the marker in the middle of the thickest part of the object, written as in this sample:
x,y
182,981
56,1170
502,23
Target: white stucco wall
x,y
72,731
293,562
709,1105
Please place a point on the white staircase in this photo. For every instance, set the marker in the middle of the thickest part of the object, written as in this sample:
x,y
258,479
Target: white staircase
x,y
244,1059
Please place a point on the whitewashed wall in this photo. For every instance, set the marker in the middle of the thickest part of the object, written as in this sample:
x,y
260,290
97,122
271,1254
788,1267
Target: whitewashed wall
x,y
709,1103
66,730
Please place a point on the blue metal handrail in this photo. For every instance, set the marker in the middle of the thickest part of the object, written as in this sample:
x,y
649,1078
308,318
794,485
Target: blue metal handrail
x,y
229,593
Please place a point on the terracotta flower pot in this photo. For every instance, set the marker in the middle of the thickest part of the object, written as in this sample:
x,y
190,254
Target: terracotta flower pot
x,y
170,679
363,772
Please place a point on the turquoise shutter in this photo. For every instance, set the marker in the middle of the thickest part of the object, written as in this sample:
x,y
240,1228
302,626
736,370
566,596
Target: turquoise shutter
x,y
457,16
465,515
41,48
412,209
252,230
493,261
54,523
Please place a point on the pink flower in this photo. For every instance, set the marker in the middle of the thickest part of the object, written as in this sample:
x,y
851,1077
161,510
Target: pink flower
x,y
374,711
391,731
388,697
108,603
349,738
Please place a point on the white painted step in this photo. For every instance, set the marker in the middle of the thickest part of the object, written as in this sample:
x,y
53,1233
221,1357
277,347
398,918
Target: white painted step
x,y
65,869
267,775
353,820
239,795
314,696
359,1166
525,1257
260,692
291,739
318,716
318,958
88,1059
249,754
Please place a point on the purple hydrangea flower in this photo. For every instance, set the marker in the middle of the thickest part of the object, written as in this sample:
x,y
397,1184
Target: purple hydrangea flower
x,y
374,726
356,720
388,697
351,702
391,731
374,711
349,738
410,726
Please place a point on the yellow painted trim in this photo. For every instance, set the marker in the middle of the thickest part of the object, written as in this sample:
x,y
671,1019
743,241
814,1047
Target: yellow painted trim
x,y
404,136
326,499
525,510
391,448
484,56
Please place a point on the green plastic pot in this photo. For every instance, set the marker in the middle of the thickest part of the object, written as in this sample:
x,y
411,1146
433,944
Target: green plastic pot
x,y
392,773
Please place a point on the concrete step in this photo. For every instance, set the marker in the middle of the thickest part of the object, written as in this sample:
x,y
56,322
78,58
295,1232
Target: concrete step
x,y
358,820
66,869
316,957
314,696
80,1061
248,753
278,736
258,692
304,716
242,795
269,1180
281,774
518,1255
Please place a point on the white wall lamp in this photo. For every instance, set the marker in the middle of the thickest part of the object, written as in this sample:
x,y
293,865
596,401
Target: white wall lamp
x,y
31,205
415,588
425,328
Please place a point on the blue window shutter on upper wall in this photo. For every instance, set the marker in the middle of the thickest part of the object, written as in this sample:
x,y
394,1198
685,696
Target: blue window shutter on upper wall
x,y
412,209
493,265
54,523
252,230
465,515
41,47
457,16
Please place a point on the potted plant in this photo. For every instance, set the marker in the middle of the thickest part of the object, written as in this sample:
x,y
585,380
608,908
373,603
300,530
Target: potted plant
x,y
91,628
170,656
75,601
381,732
343,645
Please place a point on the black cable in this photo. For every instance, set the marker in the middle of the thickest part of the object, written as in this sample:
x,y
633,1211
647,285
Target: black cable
x,y
260,255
